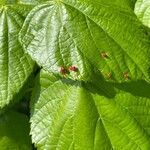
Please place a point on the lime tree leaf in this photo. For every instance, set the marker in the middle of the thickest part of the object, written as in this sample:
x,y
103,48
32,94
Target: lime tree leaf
x,y
66,115
27,2
33,2
137,107
14,132
15,65
142,10
104,35
126,120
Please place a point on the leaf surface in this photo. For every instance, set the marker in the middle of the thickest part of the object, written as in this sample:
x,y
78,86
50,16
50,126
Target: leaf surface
x,y
95,35
142,10
66,115
15,65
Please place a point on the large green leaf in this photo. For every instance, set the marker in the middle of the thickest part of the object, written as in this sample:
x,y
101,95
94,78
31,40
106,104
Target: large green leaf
x,y
27,2
142,10
15,65
33,2
99,34
14,132
66,114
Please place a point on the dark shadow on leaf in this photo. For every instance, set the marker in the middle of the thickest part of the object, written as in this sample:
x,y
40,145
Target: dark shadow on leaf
x,y
139,88
101,88
97,85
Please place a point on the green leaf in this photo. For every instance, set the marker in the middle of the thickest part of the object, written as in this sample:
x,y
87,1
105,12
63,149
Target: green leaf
x,y
27,2
14,132
66,115
133,1
94,35
15,65
33,2
142,10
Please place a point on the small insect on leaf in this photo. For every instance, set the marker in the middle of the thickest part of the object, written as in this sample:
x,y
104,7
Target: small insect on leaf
x,y
73,68
126,75
63,70
104,55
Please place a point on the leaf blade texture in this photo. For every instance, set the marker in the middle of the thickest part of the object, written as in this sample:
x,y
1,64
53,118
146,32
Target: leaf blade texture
x,y
66,115
15,65
78,33
142,10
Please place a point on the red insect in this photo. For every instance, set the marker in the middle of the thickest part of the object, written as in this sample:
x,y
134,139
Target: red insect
x,y
73,68
63,70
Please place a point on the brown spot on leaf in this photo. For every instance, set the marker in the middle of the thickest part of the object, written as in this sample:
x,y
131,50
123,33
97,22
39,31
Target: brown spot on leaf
x,y
104,55
109,75
126,75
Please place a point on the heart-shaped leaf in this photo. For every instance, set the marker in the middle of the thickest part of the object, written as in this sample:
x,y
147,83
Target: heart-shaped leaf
x,y
104,35
66,115
15,65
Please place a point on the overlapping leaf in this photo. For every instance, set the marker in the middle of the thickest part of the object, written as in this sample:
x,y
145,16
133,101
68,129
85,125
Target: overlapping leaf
x,y
65,115
14,132
15,65
142,10
104,35
33,2
92,36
